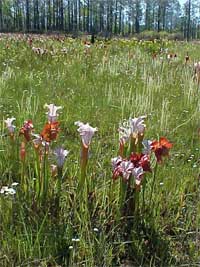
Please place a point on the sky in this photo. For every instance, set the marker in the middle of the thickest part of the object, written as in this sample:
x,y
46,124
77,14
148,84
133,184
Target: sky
x,y
182,1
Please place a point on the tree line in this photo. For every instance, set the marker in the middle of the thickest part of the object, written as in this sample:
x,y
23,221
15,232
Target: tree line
x,y
108,17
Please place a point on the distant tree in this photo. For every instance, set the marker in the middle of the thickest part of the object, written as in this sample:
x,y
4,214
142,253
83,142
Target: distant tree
x,y
61,15
36,15
1,15
188,20
49,14
27,15
137,15
147,14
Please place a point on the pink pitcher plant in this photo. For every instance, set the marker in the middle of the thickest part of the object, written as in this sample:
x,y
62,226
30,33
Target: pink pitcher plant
x,y
86,133
10,127
41,143
197,72
133,162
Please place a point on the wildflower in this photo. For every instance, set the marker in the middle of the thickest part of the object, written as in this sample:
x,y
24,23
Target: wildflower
x,y
14,184
10,191
124,169
145,163
3,189
7,190
124,132
135,158
154,55
52,113
60,154
64,50
75,240
26,130
50,131
87,44
197,66
10,126
137,125
30,41
124,135
54,170
147,146
187,58
161,148
138,174
169,56
141,160
37,141
197,72
36,50
86,132
116,162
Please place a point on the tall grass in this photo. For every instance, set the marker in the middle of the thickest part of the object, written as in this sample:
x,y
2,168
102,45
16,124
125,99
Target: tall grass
x,y
103,85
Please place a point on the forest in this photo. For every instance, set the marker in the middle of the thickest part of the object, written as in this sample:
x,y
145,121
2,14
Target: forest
x,y
103,17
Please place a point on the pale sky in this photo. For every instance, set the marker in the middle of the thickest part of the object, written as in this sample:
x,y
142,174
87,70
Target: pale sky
x,y
182,1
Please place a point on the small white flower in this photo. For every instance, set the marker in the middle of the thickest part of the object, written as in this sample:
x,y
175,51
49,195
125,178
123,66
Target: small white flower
x,y
75,240
64,50
10,191
137,125
3,189
9,125
14,184
52,113
7,191
61,154
86,132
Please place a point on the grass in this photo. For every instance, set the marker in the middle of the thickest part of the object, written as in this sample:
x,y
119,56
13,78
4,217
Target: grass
x,y
102,85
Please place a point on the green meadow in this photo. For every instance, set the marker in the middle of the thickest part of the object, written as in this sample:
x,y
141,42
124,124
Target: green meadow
x,y
56,219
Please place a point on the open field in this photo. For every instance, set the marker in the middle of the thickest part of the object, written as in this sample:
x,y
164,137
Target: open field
x,y
74,215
